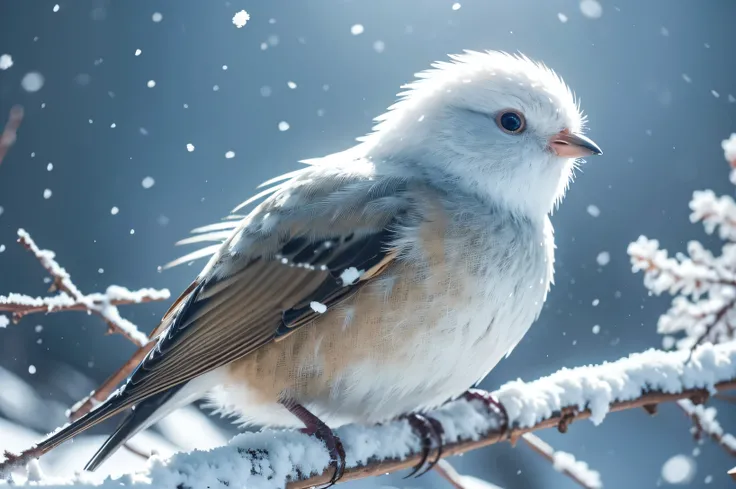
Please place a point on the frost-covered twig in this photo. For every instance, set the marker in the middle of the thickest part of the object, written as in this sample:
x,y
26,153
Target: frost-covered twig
x,y
565,462
705,423
71,298
9,134
278,459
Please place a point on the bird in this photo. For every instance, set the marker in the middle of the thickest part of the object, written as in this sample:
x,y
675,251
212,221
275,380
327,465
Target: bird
x,y
381,280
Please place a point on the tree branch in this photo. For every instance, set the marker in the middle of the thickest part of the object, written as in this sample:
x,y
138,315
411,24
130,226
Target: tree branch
x,y
705,423
71,298
565,463
9,134
278,459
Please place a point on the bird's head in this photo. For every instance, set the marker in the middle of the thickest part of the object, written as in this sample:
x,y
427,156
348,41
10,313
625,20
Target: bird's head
x,y
503,127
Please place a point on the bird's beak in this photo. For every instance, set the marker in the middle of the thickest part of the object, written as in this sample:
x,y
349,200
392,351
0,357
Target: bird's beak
x,y
570,145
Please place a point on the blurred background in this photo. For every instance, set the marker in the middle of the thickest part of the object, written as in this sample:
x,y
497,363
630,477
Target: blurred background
x,y
145,119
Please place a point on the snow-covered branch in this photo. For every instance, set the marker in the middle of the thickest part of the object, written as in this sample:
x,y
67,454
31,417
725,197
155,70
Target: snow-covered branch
x,y
71,298
565,462
705,423
278,459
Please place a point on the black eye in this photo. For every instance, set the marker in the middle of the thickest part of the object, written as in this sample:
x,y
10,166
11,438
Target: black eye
x,y
511,121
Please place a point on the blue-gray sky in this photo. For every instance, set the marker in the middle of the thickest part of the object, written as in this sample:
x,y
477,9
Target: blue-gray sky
x,y
646,73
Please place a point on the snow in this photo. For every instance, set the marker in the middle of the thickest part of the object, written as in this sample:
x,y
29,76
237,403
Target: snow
x,y
190,147
566,462
240,19
350,275
148,182
357,29
593,210
283,126
603,258
729,147
679,469
596,387
151,83
456,6
379,46
591,9
318,307
230,154
47,193
291,84
32,82
114,210
4,321
6,61
706,419
562,17
157,17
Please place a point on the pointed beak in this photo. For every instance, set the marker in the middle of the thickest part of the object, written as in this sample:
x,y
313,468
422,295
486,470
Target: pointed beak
x,y
569,145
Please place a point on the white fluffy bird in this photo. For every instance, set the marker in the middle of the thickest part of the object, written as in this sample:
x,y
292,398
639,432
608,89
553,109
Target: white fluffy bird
x,y
382,280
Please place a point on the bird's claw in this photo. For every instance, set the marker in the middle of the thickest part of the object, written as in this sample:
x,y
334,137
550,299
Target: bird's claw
x,y
432,433
493,404
335,448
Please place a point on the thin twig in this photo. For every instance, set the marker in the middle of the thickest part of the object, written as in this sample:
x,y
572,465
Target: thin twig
x,y
709,426
448,472
9,134
548,453
72,299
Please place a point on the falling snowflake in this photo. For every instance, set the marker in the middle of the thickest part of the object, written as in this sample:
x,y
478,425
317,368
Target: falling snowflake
x,y
679,469
114,211
241,18
379,46
230,155
190,147
47,194
562,17
291,85
148,182
157,17
456,6
357,29
596,329
283,126
151,83
603,258
32,82
593,210
591,9
56,8
6,61
265,91
137,52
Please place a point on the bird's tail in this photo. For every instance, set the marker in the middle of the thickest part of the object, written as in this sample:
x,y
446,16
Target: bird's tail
x,y
90,419
140,417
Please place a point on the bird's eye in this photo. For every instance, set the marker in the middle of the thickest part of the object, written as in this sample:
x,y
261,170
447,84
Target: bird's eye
x,y
511,121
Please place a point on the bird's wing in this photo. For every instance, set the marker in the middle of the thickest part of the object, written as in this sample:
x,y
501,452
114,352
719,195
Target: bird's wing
x,y
306,248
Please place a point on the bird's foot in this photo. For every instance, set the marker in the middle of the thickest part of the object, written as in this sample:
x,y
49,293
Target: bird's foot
x,y
493,404
432,433
317,428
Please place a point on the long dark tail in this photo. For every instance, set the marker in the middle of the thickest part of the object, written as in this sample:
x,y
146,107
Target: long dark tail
x,y
137,419
90,419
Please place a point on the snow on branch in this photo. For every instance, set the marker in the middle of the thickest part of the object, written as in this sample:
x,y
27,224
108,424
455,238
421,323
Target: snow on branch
x,y
705,423
704,285
565,462
70,298
293,460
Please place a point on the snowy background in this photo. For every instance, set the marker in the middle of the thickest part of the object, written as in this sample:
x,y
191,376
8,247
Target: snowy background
x,y
168,113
